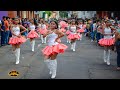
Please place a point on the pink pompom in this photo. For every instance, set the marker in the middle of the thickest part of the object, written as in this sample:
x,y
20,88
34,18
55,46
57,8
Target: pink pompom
x,y
63,24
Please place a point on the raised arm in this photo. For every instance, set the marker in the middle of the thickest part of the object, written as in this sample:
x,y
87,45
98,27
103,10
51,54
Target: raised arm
x,y
24,29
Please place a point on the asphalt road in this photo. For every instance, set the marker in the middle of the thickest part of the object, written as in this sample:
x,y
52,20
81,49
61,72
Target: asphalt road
x,y
85,63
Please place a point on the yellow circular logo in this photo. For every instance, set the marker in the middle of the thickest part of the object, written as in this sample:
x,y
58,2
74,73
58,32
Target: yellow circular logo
x,y
13,73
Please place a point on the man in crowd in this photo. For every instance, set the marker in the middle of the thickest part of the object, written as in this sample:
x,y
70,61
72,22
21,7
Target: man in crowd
x,y
7,31
2,28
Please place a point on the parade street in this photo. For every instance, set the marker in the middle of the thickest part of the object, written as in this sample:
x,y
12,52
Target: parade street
x,y
85,63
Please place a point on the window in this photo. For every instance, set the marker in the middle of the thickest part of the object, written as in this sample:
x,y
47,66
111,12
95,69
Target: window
x,y
18,13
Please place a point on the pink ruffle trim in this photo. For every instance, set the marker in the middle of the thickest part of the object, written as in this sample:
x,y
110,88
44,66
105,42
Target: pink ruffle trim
x,y
81,30
73,36
106,42
50,50
16,40
32,34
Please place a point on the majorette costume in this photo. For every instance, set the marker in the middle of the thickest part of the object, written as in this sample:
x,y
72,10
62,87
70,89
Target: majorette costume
x,y
81,30
16,40
67,33
73,35
32,35
63,25
52,48
42,31
108,40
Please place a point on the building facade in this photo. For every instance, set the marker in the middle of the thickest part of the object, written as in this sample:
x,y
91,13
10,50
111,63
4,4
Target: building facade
x,y
21,14
26,14
102,14
86,14
10,14
82,14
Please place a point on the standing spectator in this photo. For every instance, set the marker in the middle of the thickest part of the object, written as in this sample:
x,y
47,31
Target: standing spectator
x,y
117,43
10,23
0,29
99,29
88,28
26,32
3,31
116,19
22,21
91,31
7,31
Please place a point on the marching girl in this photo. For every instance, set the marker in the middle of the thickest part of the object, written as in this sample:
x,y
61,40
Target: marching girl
x,y
17,39
42,31
107,41
63,25
84,27
32,34
68,31
39,26
73,36
81,28
53,47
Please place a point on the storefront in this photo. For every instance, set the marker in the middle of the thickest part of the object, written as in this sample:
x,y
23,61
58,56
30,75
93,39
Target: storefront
x,y
10,14
26,14
102,14
3,13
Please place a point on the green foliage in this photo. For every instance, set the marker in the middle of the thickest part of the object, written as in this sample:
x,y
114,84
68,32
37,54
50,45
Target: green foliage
x,y
48,12
63,14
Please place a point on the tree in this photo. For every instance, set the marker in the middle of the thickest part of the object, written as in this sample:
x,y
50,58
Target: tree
x,y
63,14
49,13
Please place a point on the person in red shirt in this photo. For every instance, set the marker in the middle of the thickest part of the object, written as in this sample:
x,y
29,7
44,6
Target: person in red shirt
x,y
7,31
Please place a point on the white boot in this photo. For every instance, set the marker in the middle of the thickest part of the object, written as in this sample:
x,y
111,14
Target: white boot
x,y
47,62
45,40
53,64
42,39
74,44
108,57
33,45
40,36
80,37
105,56
67,40
15,52
71,46
17,55
85,34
